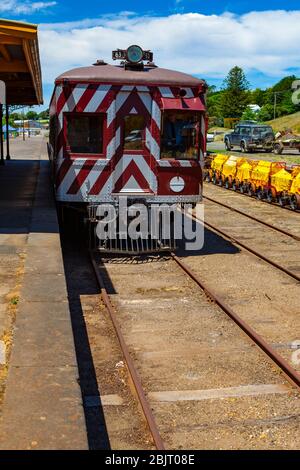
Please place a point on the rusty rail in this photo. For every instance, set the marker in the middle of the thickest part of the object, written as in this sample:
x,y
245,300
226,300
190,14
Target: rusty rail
x,y
130,365
264,201
292,375
248,248
278,229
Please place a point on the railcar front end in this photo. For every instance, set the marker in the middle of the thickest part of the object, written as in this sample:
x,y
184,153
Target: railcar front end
x,y
132,131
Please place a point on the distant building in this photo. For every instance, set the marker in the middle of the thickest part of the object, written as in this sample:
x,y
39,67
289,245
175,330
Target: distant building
x,y
254,107
28,124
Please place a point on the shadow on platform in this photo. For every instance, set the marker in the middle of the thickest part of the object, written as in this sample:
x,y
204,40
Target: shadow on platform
x,y
81,282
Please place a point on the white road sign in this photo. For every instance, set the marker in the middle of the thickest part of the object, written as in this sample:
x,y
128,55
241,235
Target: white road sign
x,y
2,92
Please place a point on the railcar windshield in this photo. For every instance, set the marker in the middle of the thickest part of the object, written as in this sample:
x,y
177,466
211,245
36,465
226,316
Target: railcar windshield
x,y
134,132
84,133
179,135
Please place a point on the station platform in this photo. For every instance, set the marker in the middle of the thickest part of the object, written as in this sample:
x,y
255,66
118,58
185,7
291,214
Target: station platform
x,y
40,397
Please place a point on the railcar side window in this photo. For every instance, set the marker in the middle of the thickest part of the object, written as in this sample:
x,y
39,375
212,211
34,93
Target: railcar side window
x,y
84,133
179,135
134,130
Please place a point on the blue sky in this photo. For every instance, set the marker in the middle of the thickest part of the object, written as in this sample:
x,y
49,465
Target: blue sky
x,y
202,38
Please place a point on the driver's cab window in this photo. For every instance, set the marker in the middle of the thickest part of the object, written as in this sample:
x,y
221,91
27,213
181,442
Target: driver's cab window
x,y
179,135
237,129
134,131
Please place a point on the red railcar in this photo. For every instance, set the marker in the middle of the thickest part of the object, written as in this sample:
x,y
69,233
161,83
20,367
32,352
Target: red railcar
x,y
132,129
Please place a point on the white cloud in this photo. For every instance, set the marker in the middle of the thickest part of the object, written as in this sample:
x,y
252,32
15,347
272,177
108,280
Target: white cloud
x,y
207,46
26,7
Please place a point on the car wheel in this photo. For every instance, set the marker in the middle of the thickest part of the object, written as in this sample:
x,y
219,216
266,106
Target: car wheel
x,y
243,147
227,145
278,149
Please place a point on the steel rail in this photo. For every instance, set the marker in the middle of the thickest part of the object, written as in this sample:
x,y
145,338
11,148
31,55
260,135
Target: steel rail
x,y
248,248
284,232
130,365
292,375
275,204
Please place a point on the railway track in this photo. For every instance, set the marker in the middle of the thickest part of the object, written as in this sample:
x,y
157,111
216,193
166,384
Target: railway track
x,y
265,201
130,364
238,240
138,354
256,219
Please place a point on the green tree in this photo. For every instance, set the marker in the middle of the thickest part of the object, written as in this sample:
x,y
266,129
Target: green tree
x,y
281,95
15,116
32,115
236,95
249,115
266,113
44,114
213,102
258,96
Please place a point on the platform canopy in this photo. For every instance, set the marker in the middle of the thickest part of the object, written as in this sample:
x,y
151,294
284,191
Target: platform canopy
x,y
20,66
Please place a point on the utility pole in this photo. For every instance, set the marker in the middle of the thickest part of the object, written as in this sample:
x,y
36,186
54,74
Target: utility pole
x,y
275,103
275,99
2,102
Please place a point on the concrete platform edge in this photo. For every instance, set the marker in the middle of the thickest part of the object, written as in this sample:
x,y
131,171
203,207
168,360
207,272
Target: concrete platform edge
x,y
43,404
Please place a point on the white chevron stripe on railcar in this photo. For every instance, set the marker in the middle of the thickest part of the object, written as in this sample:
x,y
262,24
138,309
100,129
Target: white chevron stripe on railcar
x,y
189,93
58,91
71,102
113,144
127,88
71,175
121,167
142,88
111,113
184,163
60,159
166,92
94,174
75,96
142,165
164,163
147,100
156,113
152,145
120,100
97,99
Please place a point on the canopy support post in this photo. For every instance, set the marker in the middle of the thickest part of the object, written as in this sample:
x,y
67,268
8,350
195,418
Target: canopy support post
x,y
2,162
7,133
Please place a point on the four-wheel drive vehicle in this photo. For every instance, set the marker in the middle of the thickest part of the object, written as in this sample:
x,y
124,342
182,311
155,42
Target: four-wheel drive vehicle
x,y
249,135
